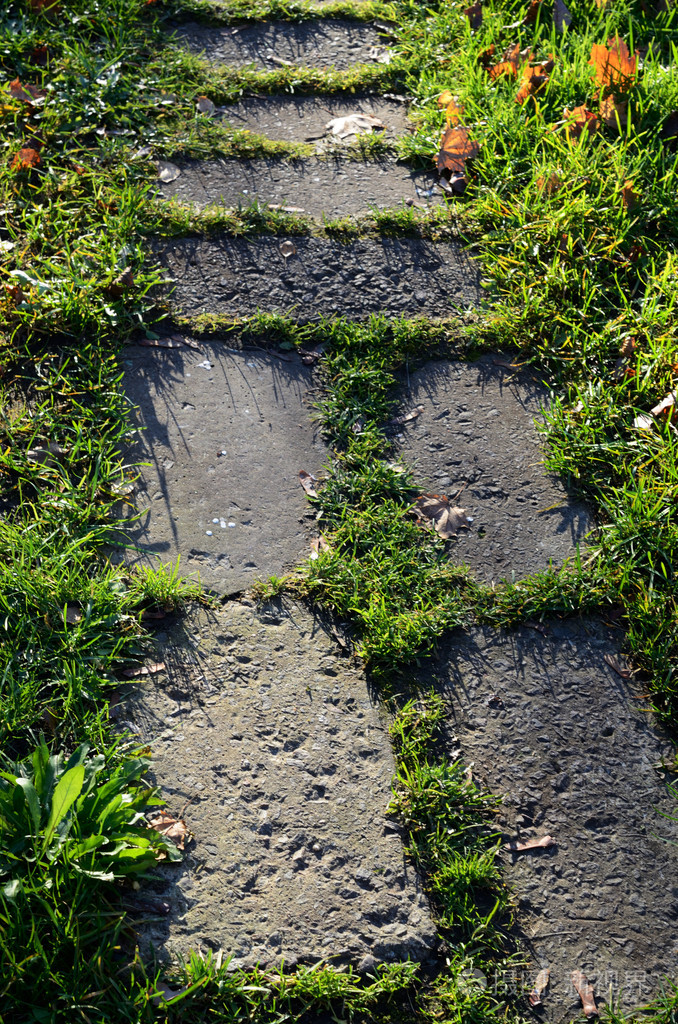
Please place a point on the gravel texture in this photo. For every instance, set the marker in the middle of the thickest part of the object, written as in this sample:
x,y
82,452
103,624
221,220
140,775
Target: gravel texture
x,y
237,276
267,727
334,43
546,722
303,118
326,188
477,436
223,435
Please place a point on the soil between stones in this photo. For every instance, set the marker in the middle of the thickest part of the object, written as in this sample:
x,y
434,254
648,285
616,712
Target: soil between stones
x,y
326,188
303,118
238,276
547,722
334,43
268,729
476,438
225,434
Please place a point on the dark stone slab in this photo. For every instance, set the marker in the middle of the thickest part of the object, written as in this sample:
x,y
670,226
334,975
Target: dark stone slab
x,y
238,276
330,43
303,118
571,746
476,438
327,188
268,729
223,436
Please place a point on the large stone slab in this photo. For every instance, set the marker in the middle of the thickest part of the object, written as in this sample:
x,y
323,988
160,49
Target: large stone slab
x,y
476,438
267,729
223,434
330,43
572,747
238,276
326,188
303,118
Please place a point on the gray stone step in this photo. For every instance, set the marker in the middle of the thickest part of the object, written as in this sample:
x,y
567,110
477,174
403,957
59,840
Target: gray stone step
x,y
270,732
238,276
328,43
327,188
476,438
224,435
303,118
548,724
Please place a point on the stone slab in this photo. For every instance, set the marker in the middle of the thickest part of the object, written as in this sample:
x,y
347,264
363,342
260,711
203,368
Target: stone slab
x,y
303,118
397,276
324,43
269,730
476,438
571,746
323,189
224,435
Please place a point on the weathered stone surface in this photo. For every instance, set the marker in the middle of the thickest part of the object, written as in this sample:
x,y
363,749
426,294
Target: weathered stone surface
x,y
326,188
332,43
268,729
303,118
476,439
550,725
238,276
224,435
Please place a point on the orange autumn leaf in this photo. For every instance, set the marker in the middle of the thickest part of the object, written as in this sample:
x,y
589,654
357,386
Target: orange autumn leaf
x,y
485,56
580,121
25,159
629,196
614,67
25,93
551,184
534,80
444,98
454,109
511,60
456,147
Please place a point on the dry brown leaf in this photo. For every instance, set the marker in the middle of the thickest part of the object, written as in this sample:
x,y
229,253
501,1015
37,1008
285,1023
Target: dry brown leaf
x,y
551,185
532,12
400,421
585,992
204,105
318,544
144,670
534,79
354,124
27,158
444,98
617,666
562,18
485,57
170,827
530,844
629,196
447,519
168,172
541,983
456,147
613,112
613,66
666,407
580,121
474,15
308,482
39,55
628,347
26,93
116,289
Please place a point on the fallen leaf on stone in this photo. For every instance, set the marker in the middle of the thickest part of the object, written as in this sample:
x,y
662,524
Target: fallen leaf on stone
x,y
562,18
310,357
318,544
353,124
617,666
530,844
204,105
447,519
380,53
287,249
168,172
308,482
144,670
495,701
585,992
541,983
170,827
408,417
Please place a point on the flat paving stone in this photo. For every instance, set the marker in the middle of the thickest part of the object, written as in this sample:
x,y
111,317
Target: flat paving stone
x,y
223,434
476,438
303,118
327,188
397,276
269,730
325,43
571,747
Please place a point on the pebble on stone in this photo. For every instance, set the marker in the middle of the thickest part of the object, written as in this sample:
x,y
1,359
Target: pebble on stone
x,y
303,118
238,276
331,43
476,442
575,752
268,729
328,188
222,445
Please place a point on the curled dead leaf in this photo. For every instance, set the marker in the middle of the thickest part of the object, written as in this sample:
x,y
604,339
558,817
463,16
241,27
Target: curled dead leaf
x,y
171,828
26,93
530,844
541,983
623,671
408,417
27,158
354,124
667,406
643,421
144,670
447,519
308,482
168,172
580,121
204,105
585,993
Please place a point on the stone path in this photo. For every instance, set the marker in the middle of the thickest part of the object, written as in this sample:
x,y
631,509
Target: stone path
x,y
262,723
304,118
